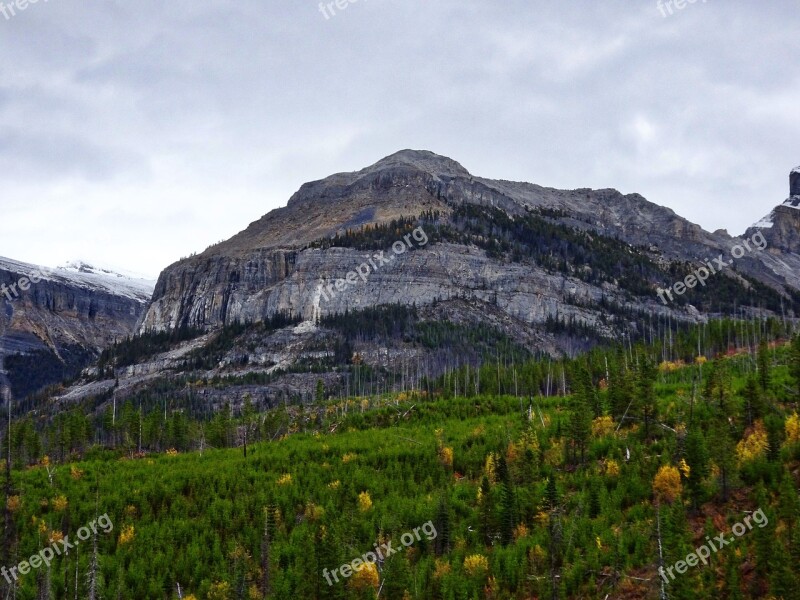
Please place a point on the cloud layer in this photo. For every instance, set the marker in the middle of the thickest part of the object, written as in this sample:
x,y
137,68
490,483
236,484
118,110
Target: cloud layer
x,y
137,133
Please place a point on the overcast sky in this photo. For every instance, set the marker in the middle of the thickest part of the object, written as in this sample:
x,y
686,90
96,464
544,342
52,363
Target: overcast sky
x,y
138,132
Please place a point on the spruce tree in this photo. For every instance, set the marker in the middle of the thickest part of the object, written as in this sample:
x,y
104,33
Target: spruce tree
x,y
443,541
794,365
697,459
507,503
580,427
646,390
753,402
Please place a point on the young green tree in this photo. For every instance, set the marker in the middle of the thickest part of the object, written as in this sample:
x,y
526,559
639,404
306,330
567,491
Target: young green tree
x,y
443,541
646,394
753,401
319,395
620,388
580,426
723,452
697,459
794,364
507,502
486,512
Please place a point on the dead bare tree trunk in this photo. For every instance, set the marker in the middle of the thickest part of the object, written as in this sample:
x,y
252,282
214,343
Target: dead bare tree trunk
x,y
660,555
8,523
92,574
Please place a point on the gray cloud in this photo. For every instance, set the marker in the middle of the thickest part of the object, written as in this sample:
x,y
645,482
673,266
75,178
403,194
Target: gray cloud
x,y
141,132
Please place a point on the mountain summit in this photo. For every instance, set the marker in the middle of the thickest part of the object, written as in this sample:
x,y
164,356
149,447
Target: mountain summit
x,y
485,246
415,265
781,226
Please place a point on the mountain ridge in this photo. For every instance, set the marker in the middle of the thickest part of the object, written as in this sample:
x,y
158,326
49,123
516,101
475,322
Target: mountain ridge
x,y
487,268
54,322
404,185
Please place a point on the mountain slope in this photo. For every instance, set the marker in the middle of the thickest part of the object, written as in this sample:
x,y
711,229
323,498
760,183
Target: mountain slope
x,y
53,322
411,268
274,265
782,226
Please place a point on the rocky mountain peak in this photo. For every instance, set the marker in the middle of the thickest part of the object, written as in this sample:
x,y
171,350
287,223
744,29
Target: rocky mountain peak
x,y
421,160
782,225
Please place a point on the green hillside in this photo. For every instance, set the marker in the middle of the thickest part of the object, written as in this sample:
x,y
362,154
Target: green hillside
x,y
531,493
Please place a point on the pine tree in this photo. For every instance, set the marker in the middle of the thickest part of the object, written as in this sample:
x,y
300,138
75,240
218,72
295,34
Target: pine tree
x,y
580,427
775,436
551,494
722,450
620,390
676,547
753,402
266,545
764,540
646,390
697,459
732,585
320,392
443,542
507,502
594,500
794,364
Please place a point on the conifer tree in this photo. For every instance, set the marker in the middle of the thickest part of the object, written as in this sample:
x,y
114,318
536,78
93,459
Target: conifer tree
x,y
753,402
443,541
794,365
551,494
697,459
507,502
646,391
580,427
723,452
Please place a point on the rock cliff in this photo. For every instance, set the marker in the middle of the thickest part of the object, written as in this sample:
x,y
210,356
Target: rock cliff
x,y
274,265
55,321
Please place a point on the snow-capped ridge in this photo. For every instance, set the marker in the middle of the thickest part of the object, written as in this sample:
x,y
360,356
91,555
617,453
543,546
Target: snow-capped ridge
x,y
98,268
87,275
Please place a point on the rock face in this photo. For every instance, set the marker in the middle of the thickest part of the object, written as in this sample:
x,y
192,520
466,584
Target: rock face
x,y
781,227
61,321
272,265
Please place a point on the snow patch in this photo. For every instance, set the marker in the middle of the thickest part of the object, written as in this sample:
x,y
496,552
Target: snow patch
x,y
86,275
793,202
766,222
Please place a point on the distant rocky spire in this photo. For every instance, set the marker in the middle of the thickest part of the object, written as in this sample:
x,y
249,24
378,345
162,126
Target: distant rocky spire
x,y
794,182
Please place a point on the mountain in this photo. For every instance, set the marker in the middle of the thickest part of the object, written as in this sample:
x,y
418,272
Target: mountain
x,y
54,322
781,227
277,263
412,267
